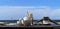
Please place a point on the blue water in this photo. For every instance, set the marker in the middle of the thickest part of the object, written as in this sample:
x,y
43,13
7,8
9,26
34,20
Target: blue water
x,y
13,21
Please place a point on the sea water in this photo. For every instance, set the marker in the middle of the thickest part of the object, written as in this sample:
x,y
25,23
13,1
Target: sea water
x,y
14,21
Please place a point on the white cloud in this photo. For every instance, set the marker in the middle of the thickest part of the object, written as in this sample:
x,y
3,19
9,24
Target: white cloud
x,y
38,11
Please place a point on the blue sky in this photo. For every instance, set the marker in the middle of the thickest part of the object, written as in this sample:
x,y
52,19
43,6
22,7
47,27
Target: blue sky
x,y
51,3
15,9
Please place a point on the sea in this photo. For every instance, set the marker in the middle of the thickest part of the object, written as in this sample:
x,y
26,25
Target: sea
x,y
14,21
